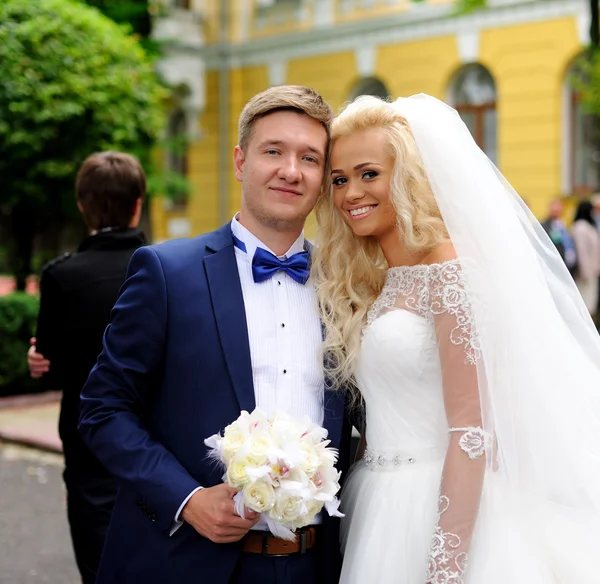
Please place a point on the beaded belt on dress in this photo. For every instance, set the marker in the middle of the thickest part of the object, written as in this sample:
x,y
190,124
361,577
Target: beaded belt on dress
x,y
374,460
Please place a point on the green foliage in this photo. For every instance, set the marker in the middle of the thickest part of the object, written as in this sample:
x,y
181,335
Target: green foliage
x,y
73,83
465,6
18,316
134,14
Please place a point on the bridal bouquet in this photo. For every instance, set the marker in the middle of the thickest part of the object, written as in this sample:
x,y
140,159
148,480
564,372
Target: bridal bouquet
x,y
282,467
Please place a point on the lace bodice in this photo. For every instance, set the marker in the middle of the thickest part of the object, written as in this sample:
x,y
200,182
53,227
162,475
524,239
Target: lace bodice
x,y
417,370
430,290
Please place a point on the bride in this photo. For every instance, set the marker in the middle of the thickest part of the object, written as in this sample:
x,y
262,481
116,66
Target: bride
x,y
447,307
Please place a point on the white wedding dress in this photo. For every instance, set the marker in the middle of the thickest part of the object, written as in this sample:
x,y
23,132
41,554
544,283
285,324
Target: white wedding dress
x,y
425,505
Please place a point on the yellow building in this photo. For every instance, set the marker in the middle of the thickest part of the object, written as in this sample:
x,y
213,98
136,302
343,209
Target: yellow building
x,y
506,69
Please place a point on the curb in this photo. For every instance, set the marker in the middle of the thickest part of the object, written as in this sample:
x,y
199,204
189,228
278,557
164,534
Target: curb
x,y
30,443
34,434
29,400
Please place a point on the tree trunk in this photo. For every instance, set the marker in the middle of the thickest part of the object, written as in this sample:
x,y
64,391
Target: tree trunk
x,y
21,245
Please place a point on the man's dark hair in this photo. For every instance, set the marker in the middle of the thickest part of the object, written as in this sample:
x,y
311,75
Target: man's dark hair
x,y
108,185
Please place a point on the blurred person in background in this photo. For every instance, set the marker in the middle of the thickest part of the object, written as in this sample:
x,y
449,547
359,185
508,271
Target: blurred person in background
x,y
77,293
596,204
559,234
595,200
587,244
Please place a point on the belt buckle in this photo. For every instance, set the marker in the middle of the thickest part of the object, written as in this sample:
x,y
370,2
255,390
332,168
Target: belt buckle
x,y
302,542
265,546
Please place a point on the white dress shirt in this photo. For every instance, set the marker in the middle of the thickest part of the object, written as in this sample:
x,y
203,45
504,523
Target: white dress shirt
x,y
284,333
285,338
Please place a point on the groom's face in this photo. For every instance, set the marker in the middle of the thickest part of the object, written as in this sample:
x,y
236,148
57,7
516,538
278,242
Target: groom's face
x,y
281,170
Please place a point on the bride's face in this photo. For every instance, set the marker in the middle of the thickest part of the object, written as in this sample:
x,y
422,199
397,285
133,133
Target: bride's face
x,y
362,169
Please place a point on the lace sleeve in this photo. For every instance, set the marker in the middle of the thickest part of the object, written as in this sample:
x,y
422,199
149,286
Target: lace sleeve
x,y
464,467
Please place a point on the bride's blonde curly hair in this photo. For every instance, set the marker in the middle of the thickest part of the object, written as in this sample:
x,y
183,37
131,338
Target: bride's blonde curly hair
x,y
348,270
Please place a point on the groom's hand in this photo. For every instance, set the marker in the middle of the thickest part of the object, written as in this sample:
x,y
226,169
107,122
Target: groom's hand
x,y
211,512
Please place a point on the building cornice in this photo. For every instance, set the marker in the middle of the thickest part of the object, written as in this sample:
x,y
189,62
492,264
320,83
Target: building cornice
x,y
420,22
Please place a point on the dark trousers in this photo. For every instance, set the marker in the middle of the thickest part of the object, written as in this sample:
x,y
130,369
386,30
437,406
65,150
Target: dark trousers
x,y
293,569
90,503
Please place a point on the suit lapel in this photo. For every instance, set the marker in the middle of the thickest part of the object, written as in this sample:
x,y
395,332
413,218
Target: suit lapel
x,y
228,307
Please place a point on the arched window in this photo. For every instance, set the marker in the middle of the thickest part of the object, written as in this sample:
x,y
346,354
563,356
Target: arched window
x,y
473,95
370,86
581,142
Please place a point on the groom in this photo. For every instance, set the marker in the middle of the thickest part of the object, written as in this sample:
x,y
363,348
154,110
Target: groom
x,y
203,329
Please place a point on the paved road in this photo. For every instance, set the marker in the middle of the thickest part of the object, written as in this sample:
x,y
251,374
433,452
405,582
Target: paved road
x,y
34,536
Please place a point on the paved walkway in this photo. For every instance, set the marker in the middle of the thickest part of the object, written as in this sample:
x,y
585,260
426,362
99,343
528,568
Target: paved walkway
x,y
31,420
34,535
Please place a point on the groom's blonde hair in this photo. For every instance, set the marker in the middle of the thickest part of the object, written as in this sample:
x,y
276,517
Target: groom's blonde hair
x,y
348,270
298,98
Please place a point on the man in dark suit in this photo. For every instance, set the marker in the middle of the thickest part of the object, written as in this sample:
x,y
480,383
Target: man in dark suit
x,y
203,329
556,229
77,293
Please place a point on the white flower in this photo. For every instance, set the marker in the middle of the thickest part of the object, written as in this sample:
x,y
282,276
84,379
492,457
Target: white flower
x,y
279,470
308,459
259,446
283,467
232,441
312,508
287,508
326,479
474,442
237,473
259,496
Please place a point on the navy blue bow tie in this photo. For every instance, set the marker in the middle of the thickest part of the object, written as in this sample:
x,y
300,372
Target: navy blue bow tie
x,y
265,264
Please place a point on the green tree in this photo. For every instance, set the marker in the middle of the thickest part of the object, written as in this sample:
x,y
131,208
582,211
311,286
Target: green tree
x,y
135,15
73,83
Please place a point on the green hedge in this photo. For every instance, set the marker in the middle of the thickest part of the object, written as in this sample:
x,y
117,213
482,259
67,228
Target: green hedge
x,y
18,317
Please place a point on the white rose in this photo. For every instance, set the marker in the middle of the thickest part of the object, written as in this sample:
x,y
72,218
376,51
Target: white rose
x,y
259,446
237,473
312,508
233,440
310,458
287,508
259,496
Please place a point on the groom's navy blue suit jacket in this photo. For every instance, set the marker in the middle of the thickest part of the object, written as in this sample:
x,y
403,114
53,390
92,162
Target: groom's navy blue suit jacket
x,y
175,369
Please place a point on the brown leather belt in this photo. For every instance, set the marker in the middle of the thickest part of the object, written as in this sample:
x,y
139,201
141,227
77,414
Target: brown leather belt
x,y
262,542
